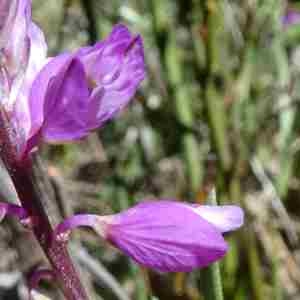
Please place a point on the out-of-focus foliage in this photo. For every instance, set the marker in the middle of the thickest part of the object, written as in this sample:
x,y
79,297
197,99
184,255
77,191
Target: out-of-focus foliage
x,y
220,106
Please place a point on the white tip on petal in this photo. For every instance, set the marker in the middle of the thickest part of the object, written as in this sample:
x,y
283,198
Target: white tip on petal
x,y
225,218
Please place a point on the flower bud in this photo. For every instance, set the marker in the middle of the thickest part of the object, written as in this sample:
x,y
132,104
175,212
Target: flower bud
x,y
167,236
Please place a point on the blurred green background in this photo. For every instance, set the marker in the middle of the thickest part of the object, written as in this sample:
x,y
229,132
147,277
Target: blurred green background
x,y
220,107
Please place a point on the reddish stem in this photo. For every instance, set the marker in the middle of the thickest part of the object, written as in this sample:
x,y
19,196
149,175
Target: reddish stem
x,y
56,251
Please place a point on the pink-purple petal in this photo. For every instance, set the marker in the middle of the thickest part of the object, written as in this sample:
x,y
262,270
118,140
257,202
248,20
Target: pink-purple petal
x,y
50,73
166,236
18,45
14,45
120,85
22,52
116,66
59,100
65,116
21,115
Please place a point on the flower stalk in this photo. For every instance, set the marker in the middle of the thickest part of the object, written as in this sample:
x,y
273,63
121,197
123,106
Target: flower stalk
x,y
56,251
211,276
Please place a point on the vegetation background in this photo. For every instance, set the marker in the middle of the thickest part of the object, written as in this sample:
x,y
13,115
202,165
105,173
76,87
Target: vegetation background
x,y
220,107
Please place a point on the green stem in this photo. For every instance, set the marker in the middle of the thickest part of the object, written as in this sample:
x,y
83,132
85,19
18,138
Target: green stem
x,y
211,279
214,100
184,113
255,267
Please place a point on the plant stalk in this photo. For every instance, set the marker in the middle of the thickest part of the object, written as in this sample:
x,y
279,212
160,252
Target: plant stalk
x,y
21,173
211,279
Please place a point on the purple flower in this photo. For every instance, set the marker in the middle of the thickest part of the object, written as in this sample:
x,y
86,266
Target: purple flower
x,y
167,236
62,98
77,92
291,17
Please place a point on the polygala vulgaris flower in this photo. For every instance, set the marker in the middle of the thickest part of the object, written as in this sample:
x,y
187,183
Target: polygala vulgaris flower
x,y
77,92
62,98
165,235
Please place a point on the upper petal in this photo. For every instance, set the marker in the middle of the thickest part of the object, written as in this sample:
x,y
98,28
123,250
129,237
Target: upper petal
x,y
58,100
37,58
14,45
122,73
8,11
166,236
66,109
116,67
50,73
92,57
22,54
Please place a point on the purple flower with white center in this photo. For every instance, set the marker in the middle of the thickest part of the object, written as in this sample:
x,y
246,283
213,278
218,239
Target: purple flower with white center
x,y
165,235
